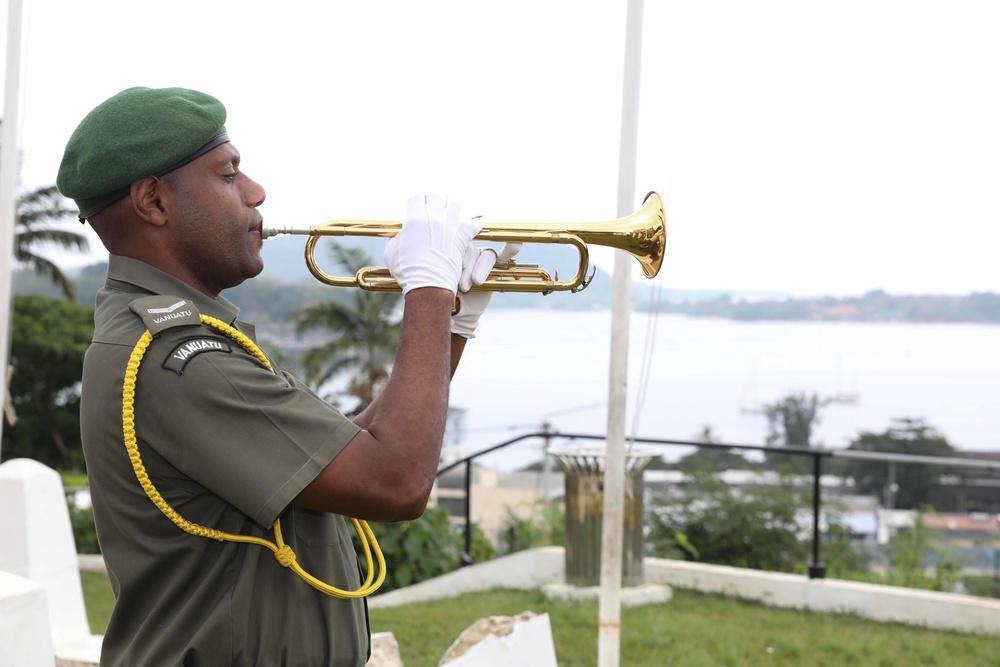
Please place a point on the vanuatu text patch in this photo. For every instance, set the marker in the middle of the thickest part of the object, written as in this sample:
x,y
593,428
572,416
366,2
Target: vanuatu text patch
x,y
188,349
165,312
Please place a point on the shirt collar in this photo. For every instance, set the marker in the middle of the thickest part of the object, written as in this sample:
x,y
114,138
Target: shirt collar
x,y
138,274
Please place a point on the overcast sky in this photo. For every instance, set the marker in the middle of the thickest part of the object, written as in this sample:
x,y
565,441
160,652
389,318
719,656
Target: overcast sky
x,y
807,147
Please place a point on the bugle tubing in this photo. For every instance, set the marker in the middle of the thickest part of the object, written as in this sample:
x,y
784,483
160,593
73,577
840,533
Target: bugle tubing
x,y
641,234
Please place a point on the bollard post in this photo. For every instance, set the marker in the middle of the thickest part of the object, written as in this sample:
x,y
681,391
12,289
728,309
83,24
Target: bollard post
x,y
817,570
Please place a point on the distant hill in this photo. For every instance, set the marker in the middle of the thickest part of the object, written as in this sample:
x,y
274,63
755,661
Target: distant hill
x,y
286,284
874,306
284,262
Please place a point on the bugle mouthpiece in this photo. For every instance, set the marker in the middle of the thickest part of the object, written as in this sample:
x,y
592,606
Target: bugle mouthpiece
x,y
268,232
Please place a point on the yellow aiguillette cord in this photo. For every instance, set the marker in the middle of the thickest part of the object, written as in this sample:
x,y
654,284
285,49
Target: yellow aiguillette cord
x,y
282,552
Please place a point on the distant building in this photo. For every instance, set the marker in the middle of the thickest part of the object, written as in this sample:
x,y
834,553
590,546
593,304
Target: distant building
x,y
496,496
965,529
976,490
453,446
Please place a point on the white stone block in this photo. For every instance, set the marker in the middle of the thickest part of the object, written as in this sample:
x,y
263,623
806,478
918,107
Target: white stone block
x,y
385,651
38,545
25,637
524,640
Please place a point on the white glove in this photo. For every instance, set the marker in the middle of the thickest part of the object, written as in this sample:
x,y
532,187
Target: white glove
x,y
428,250
477,264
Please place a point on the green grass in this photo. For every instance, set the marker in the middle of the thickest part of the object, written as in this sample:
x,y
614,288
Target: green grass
x,y
99,600
74,479
692,630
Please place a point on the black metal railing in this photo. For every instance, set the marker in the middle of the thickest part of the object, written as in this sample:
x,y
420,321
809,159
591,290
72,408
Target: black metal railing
x,y
817,570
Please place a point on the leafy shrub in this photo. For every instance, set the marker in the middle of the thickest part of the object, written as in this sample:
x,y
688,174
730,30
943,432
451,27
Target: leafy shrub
x,y
981,586
917,560
709,521
84,532
423,549
544,525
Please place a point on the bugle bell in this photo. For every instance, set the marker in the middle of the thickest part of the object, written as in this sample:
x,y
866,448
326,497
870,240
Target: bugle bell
x,y
642,235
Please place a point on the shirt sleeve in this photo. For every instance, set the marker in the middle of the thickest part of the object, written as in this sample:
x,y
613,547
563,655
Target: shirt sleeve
x,y
253,437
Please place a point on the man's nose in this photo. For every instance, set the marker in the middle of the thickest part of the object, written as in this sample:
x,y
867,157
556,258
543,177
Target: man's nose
x,y
255,193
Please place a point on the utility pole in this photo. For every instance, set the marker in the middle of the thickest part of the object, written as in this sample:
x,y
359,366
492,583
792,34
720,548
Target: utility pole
x,y
546,473
612,530
891,487
9,153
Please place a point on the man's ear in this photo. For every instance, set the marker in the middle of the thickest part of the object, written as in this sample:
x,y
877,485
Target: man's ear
x,y
148,200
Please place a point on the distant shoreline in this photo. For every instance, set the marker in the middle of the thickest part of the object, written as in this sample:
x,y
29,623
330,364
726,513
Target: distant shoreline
x,y
875,306
738,305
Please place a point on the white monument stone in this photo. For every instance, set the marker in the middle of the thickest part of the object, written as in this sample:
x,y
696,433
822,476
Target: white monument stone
x,y
385,651
524,640
38,545
25,638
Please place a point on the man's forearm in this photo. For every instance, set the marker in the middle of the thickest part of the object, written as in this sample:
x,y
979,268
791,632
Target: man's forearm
x,y
457,349
424,363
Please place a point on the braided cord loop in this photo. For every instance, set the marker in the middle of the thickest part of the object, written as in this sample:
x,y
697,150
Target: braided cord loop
x,y
282,552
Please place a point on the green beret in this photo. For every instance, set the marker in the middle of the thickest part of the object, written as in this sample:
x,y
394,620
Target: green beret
x,y
137,133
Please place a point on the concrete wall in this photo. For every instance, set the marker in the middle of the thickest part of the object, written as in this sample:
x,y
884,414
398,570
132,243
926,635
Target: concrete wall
x,y
940,611
534,568
525,570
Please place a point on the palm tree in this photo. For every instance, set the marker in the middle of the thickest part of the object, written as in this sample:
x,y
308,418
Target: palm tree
x,y
35,211
367,327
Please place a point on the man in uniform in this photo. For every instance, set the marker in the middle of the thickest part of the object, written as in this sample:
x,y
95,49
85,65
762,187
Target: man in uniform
x,y
190,432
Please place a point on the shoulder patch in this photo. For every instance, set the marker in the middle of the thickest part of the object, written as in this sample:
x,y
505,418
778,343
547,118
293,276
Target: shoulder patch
x,y
189,348
162,312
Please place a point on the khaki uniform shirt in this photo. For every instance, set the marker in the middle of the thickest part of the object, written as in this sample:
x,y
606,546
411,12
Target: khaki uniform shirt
x,y
229,445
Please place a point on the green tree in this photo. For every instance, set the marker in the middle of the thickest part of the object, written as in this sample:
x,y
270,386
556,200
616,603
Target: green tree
x,y
36,211
711,459
790,423
366,332
710,521
902,485
48,340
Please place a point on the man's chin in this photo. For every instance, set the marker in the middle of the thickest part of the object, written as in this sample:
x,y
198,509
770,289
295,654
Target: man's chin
x,y
250,270
256,270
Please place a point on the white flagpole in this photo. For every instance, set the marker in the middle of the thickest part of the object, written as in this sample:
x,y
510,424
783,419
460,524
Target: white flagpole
x,y
9,153
612,531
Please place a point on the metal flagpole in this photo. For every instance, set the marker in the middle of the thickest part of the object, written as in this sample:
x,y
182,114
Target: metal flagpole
x,y
609,626
9,153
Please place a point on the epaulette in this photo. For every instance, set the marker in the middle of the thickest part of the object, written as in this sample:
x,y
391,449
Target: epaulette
x,y
163,312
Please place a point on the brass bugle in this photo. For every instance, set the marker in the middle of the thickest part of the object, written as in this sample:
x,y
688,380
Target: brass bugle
x,y
642,234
